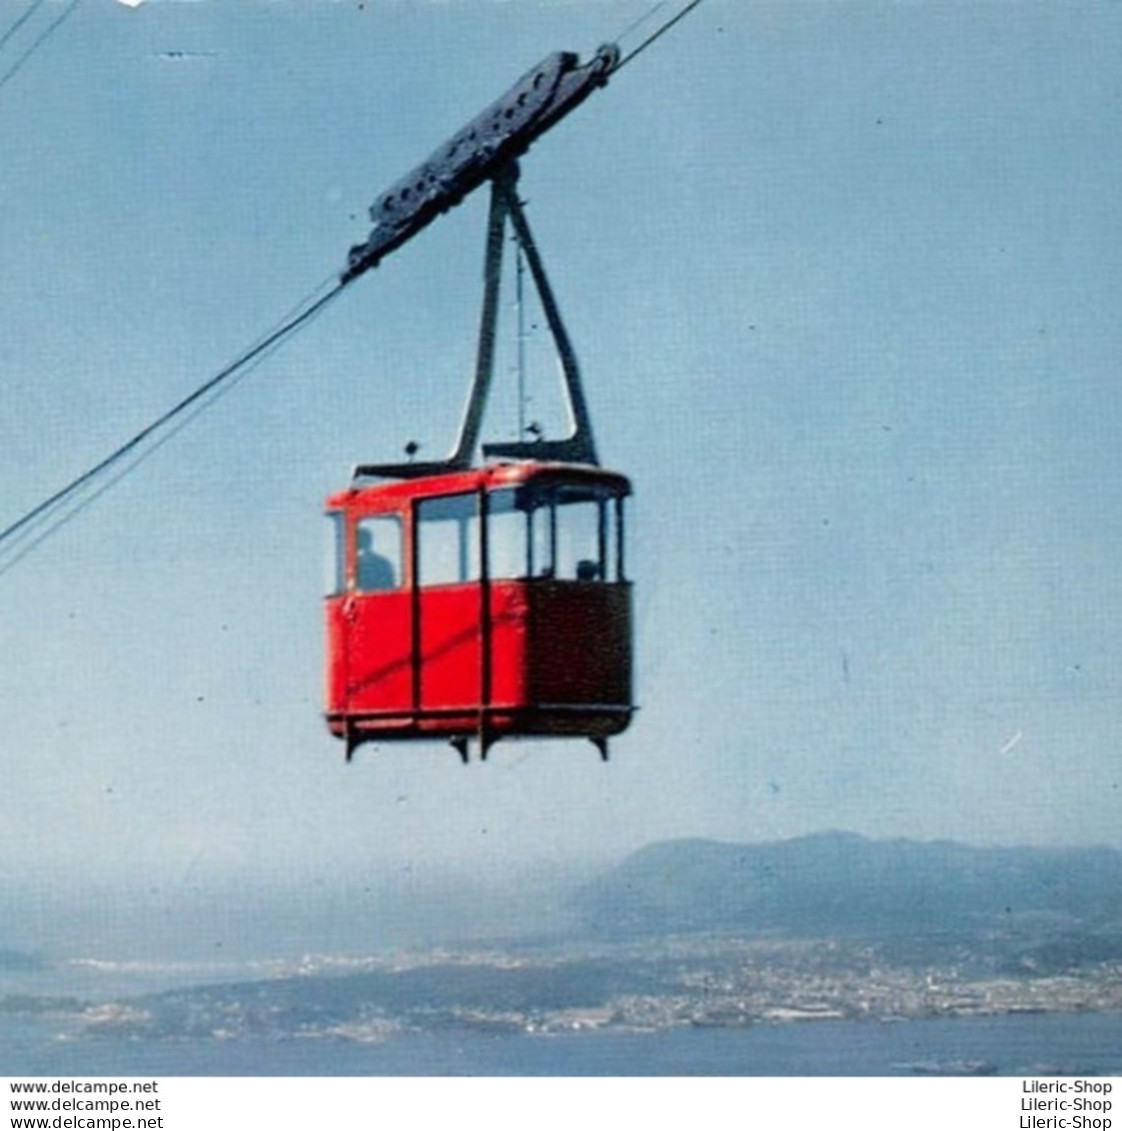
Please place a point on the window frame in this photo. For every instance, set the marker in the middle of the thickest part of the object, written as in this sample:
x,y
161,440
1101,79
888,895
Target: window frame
x,y
470,551
396,560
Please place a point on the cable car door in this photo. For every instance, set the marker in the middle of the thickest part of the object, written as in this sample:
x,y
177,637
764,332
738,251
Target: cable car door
x,y
449,577
376,622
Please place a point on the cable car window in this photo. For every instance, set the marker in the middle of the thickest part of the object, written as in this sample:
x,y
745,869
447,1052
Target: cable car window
x,y
448,540
567,533
378,544
508,534
579,553
540,538
587,539
335,575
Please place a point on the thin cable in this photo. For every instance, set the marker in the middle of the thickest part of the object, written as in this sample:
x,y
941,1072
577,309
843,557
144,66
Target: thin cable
x,y
30,537
52,521
655,35
271,340
10,73
20,21
254,354
640,21
520,305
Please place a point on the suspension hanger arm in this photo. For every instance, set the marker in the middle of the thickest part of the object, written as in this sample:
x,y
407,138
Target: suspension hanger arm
x,y
578,446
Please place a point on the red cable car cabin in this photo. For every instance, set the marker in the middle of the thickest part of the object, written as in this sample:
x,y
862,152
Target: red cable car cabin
x,y
490,603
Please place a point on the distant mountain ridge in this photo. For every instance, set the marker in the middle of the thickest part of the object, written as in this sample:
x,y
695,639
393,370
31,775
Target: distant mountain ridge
x,y
843,882
702,933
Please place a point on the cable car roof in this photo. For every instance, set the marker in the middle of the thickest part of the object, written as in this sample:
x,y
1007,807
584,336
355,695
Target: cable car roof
x,y
487,478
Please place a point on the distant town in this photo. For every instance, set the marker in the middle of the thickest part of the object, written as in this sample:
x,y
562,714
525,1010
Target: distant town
x,y
826,928
637,987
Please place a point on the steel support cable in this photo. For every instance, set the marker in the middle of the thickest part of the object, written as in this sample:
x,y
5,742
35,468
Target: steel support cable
x,y
661,30
10,73
638,23
30,524
29,538
51,521
20,21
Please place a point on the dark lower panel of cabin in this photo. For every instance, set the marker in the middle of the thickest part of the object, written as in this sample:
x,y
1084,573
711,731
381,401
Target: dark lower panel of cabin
x,y
578,643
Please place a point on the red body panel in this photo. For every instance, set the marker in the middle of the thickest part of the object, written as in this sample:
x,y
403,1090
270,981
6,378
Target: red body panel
x,y
503,657
377,655
450,661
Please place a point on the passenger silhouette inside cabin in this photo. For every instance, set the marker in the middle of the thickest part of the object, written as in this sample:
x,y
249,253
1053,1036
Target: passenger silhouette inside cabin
x,y
374,572
588,570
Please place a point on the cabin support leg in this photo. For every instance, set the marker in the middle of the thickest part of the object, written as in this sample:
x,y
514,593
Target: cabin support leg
x,y
461,746
601,744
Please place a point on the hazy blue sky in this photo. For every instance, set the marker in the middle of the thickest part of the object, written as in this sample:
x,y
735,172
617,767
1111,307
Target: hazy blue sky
x,y
845,283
